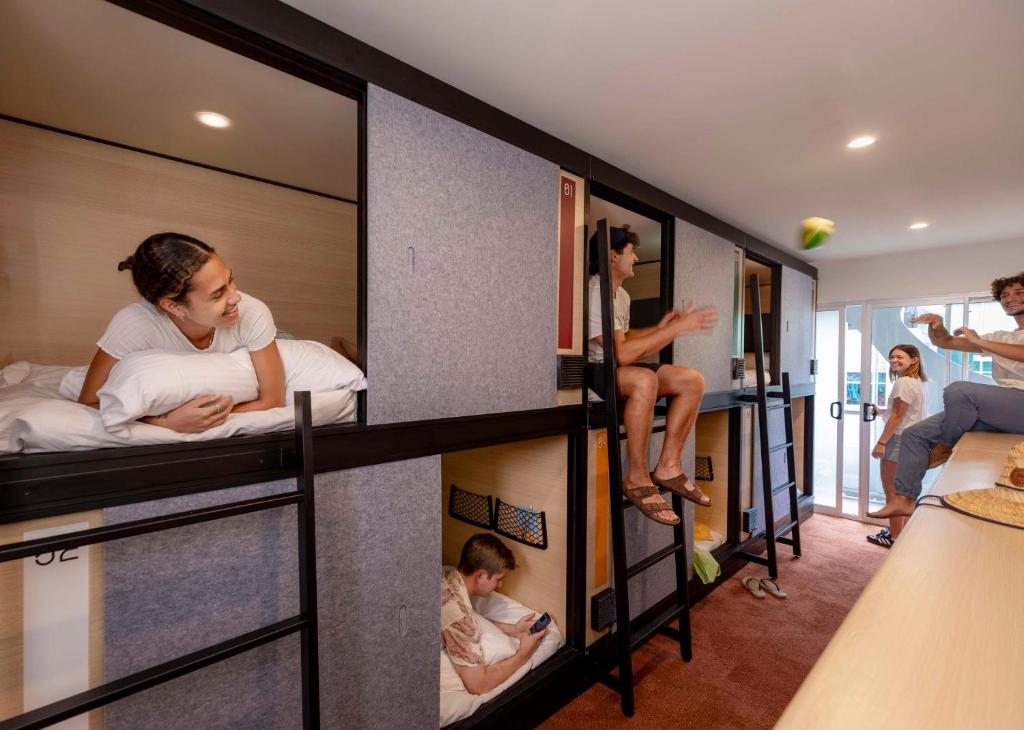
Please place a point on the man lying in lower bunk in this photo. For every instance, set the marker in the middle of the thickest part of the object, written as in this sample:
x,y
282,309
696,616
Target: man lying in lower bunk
x,y
484,563
641,384
968,406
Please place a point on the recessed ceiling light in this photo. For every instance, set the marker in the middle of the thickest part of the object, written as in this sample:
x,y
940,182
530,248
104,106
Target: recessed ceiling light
x,y
865,141
918,226
213,119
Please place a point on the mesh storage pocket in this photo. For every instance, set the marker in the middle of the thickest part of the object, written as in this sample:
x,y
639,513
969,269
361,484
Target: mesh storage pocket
x,y
521,524
703,469
476,509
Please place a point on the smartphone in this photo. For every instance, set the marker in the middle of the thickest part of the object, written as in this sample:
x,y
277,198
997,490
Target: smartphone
x,y
541,623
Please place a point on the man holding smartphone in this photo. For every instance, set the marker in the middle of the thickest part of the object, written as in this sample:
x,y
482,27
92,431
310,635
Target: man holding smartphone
x,y
484,563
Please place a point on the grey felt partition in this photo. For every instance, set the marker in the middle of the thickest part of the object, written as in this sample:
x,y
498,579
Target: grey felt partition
x,y
797,325
461,254
705,274
644,536
174,592
779,468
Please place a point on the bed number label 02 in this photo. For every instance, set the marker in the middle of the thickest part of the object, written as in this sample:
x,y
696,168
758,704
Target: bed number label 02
x,y
55,617
61,557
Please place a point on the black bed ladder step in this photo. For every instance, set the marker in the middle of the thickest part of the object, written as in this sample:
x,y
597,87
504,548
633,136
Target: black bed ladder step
x,y
627,637
761,399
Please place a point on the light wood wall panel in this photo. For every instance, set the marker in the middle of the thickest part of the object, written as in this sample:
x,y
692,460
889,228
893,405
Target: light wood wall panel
x,y
712,439
529,474
70,210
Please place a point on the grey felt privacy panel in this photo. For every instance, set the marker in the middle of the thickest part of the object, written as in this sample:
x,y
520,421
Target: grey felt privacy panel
x,y
705,274
178,591
779,467
645,536
379,568
461,260
797,325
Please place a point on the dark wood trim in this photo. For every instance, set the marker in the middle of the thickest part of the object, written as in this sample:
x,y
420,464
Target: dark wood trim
x,y
291,29
575,629
41,485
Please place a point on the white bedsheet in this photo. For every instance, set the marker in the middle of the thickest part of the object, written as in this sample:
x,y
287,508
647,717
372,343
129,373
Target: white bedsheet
x,y
34,418
456,702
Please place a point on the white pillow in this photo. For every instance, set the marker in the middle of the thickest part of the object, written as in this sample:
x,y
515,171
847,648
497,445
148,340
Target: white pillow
x,y
153,382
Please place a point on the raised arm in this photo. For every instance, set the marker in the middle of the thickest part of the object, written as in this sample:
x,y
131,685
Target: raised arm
x,y
940,336
1003,349
639,343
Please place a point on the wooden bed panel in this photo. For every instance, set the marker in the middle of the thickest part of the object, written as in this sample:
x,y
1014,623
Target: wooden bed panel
x,y
528,474
72,209
12,612
712,439
799,409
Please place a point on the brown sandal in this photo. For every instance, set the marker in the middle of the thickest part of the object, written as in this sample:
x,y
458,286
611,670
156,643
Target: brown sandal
x,y
637,494
677,485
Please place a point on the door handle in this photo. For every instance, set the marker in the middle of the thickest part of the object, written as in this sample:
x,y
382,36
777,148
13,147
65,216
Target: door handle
x,y
867,412
836,410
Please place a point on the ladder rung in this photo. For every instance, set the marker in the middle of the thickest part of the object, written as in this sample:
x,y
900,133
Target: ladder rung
x,y
783,487
652,559
774,395
784,529
785,540
751,558
609,681
667,616
780,447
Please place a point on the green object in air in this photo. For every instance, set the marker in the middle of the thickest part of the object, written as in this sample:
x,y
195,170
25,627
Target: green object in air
x,y
705,566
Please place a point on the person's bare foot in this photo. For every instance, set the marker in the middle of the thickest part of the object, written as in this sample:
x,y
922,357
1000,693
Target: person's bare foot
x,y
939,455
898,506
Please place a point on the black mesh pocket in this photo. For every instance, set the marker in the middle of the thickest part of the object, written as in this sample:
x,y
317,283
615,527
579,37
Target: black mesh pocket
x,y
521,524
705,472
476,509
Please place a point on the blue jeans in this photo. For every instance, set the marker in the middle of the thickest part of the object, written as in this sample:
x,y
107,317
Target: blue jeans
x,y
969,407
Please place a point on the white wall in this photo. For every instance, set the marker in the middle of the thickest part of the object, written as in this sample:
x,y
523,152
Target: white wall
x,y
952,270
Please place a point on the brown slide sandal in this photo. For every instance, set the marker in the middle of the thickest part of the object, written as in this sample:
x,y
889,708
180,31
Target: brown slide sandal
x,y
637,495
677,485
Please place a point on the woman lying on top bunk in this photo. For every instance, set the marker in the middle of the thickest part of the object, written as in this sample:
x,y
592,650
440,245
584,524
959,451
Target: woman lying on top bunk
x,y
192,305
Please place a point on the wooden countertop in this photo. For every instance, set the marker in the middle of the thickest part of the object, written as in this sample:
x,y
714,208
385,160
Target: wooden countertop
x,y
936,640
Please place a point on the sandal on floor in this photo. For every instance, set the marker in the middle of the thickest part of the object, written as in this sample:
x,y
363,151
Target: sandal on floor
x,y
753,584
882,538
677,485
637,495
772,587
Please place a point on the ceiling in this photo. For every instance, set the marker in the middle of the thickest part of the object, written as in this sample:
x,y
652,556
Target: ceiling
x,y
744,108
134,81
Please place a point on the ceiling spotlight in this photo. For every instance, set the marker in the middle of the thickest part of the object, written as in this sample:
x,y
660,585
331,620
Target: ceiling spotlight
x,y
213,119
918,226
859,142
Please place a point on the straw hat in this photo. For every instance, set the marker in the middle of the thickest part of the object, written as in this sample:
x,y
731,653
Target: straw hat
x,y
1013,472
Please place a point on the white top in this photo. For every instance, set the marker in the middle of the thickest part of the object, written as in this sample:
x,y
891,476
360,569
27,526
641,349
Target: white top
x,y
143,326
1004,370
621,308
910,391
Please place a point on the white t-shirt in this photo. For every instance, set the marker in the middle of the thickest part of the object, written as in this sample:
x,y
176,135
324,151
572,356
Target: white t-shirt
x,y
143,326
620,305
910,391
1004,370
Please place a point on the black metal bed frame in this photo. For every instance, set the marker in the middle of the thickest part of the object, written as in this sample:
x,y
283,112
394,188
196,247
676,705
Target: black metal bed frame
x,y
304,623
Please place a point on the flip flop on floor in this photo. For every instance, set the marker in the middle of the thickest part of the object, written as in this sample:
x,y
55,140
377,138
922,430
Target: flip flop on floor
x,y
753,584
641,497
677,485
769,585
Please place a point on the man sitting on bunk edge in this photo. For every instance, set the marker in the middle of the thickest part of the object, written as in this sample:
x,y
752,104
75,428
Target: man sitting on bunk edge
x,y
484,563
641,383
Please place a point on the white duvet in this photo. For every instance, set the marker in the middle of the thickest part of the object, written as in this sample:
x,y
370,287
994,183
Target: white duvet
x,y
456,702
34,418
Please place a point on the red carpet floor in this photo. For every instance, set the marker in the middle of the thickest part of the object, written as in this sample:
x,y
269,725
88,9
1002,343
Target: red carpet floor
x,y
749,655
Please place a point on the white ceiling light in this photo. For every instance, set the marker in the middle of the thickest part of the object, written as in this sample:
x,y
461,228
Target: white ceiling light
x,y
858,142
213,119
918,226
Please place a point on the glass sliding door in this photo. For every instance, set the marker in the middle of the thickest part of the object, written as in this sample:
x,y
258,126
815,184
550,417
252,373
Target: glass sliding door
x,y
827,405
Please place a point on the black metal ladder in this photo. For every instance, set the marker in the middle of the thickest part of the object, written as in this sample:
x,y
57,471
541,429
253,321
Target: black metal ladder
x,y
628,637
304,623
788,533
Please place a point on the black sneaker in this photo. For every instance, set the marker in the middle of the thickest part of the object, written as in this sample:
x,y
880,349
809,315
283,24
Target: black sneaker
x,y
882,537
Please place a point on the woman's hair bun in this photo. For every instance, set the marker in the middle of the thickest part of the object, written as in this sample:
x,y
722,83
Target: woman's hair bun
x,y
126,264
